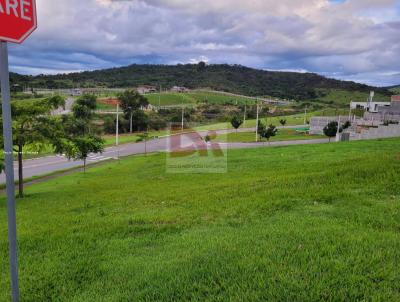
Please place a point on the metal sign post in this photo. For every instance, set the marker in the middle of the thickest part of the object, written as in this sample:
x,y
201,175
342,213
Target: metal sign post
x,y
17,21
9,163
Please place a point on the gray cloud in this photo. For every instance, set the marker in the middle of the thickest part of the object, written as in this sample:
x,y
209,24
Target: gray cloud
x,y
349,40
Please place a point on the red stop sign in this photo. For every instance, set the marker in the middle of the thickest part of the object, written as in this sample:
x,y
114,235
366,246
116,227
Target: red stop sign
x,y
17,19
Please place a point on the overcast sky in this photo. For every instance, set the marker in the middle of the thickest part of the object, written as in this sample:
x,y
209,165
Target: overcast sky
x,y
355,39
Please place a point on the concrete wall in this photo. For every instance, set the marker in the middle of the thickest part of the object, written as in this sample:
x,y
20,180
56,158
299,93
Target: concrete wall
x,y
383,115
317,124
379,132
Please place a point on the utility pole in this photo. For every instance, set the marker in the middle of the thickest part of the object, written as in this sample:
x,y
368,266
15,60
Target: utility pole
x,y
257,122
117,127
183,115
130,120
9,163
131,123
245,113
350,111
145,141
338,131
183,112
305,116
159,99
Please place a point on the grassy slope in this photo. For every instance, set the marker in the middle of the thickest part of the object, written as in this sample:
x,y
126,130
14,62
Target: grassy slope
x,y
282,135
333,97
291,120
344,97
132,138
307,223
168,99
395,89
105,107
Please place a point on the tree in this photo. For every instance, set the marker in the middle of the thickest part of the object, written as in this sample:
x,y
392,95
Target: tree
x,y
84,107
131,103
331,129
144,137
236,122
269,132
346,125
80,147
156,121
201,66
261,128
33,125
283,122
2,167
140,120
79,138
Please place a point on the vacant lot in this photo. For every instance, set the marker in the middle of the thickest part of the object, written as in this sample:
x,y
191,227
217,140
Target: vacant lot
x,y
304,223
282,135
338,97
169,98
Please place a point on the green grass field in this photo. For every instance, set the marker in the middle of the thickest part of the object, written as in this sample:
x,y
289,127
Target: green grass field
x,y
249,137
304,223
132,138
344,97
395,89
291,120
169,98
105,107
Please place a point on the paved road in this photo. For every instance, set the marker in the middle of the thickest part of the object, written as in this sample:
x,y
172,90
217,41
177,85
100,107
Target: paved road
x,y
49,164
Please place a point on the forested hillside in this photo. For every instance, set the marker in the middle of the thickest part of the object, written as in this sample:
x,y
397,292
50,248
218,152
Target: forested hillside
x,y
230,78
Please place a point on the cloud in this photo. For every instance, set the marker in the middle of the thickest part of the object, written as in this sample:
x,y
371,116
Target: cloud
x,y
355,39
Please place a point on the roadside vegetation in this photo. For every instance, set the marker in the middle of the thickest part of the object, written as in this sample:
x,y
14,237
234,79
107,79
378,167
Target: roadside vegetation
x,y
281,135
203,111
306,223
33,127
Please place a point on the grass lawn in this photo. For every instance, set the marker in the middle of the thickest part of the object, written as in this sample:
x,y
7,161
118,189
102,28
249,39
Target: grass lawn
x,y
302,223
168,99
127,138
395,89
123,139
105,107
282,135
133,138
344,97
194,97
291,120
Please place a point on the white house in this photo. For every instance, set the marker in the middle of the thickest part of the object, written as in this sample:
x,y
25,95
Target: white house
x,y
146,89
369,106
179,89
76,92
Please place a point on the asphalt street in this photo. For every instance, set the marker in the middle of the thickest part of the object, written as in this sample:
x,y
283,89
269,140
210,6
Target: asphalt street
x,y
54,163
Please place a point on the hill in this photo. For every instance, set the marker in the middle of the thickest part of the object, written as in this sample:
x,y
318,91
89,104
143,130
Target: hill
x,y
229,78
394,89
293,230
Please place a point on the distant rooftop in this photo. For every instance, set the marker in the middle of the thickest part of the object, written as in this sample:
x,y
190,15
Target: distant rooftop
x,y
396,98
